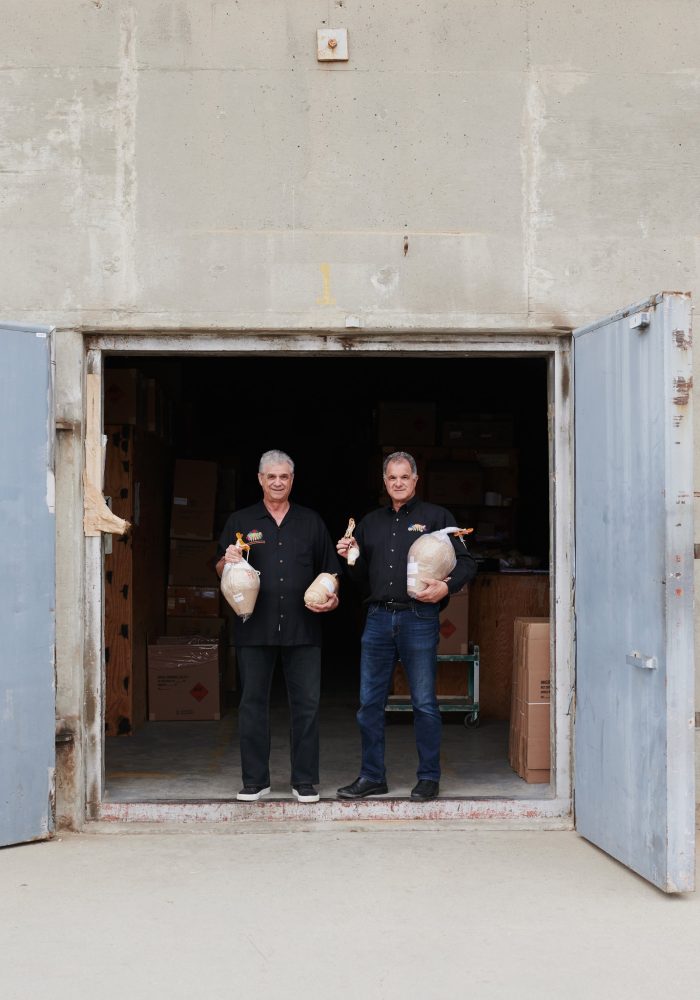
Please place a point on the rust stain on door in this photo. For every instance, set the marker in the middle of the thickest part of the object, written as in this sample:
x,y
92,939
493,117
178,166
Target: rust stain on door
x,y
682,388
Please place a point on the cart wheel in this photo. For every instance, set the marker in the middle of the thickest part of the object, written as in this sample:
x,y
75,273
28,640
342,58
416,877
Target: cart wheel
x,y
471,721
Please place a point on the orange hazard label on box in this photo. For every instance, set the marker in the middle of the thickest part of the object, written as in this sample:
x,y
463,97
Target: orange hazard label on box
x,y
447,629
199,692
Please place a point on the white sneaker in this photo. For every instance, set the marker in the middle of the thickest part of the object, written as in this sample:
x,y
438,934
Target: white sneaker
x,y
305,793
251,793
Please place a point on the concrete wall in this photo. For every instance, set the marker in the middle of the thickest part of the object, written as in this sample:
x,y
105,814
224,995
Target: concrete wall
x,y
191,164
492,164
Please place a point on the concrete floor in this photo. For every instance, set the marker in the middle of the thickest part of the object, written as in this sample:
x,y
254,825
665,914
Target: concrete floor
x,y
200,760
343,912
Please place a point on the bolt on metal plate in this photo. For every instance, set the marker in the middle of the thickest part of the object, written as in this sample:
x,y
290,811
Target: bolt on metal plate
x,y
332,44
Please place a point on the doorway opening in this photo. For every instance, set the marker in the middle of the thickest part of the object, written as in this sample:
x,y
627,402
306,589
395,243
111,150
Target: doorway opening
x,y
481,432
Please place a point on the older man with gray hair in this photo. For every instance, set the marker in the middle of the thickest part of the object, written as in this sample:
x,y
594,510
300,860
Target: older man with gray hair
x,y
289,546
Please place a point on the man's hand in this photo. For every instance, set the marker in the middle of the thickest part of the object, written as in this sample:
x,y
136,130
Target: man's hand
x,y
233,554
434,592
328,605
344,545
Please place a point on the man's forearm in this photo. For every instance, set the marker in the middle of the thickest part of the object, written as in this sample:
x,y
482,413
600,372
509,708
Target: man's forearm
x,y
464,572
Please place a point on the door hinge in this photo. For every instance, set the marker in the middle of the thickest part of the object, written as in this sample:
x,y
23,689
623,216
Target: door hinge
x,y
640,320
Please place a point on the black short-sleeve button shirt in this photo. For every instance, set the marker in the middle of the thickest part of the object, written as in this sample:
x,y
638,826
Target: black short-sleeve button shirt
x,y
288,557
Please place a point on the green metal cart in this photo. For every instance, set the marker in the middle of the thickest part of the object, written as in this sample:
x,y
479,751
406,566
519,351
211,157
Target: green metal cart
x,y
469,703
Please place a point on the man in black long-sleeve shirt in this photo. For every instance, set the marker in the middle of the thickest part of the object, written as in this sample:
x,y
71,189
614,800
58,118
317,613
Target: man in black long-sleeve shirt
x,y
399,627
289,546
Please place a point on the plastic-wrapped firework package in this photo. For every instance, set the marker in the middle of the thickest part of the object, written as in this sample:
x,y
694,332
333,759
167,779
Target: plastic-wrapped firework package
x,y
353,552
240,584
320,590
431,557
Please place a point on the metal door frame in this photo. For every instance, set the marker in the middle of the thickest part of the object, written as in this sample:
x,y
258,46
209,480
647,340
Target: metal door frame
x,y
554,812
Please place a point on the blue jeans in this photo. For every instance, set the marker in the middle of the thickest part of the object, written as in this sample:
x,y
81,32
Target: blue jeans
x,y
412,637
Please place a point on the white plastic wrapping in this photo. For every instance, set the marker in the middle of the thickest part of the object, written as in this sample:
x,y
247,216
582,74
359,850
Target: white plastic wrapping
x,y
319,591
431,557
354,551
240,585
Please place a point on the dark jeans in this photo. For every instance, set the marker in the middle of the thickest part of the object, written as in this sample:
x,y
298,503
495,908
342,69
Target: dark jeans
x,y
302,674
412,637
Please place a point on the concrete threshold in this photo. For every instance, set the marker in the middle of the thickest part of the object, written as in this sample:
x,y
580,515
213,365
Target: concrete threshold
x,y
543,814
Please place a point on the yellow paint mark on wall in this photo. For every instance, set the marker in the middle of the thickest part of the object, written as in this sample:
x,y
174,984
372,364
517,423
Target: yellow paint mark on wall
x,y
326,299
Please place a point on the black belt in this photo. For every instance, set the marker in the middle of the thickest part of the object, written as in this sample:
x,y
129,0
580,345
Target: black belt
x,y
392,605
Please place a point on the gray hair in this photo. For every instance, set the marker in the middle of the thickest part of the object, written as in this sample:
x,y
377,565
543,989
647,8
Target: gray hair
x,y
400,456
275,458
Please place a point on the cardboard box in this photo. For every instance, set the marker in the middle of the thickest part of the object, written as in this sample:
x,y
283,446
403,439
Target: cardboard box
x,y
123,396
454,625
529,740
184,681
458,483
195,602
194,499
192,563
451,680
399,683
226,488
534,759
478,433
403,424
536,755
229,674
535,723
209,628
155,408
493,524
536,687
500,470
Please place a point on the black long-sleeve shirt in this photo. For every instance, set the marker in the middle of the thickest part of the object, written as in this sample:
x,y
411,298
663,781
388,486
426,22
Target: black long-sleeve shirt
x,y
386,535
289,557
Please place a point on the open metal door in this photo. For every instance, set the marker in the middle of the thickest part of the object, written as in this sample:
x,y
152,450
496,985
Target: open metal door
x,y
27,587
634,729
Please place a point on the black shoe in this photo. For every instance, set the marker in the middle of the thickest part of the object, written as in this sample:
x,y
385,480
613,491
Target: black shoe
x,y
424,791
361,788
251,793
305,793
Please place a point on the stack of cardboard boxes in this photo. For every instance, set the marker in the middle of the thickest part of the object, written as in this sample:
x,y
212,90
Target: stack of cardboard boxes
x,y
132,398
473,470
529,744
193,586
185,666
137,457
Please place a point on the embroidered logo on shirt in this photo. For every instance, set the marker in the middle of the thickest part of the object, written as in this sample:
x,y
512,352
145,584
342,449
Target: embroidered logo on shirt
x,y
255,538
418,527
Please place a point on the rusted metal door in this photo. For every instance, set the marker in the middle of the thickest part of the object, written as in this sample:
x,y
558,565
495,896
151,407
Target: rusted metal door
x,y
27,588
634,728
